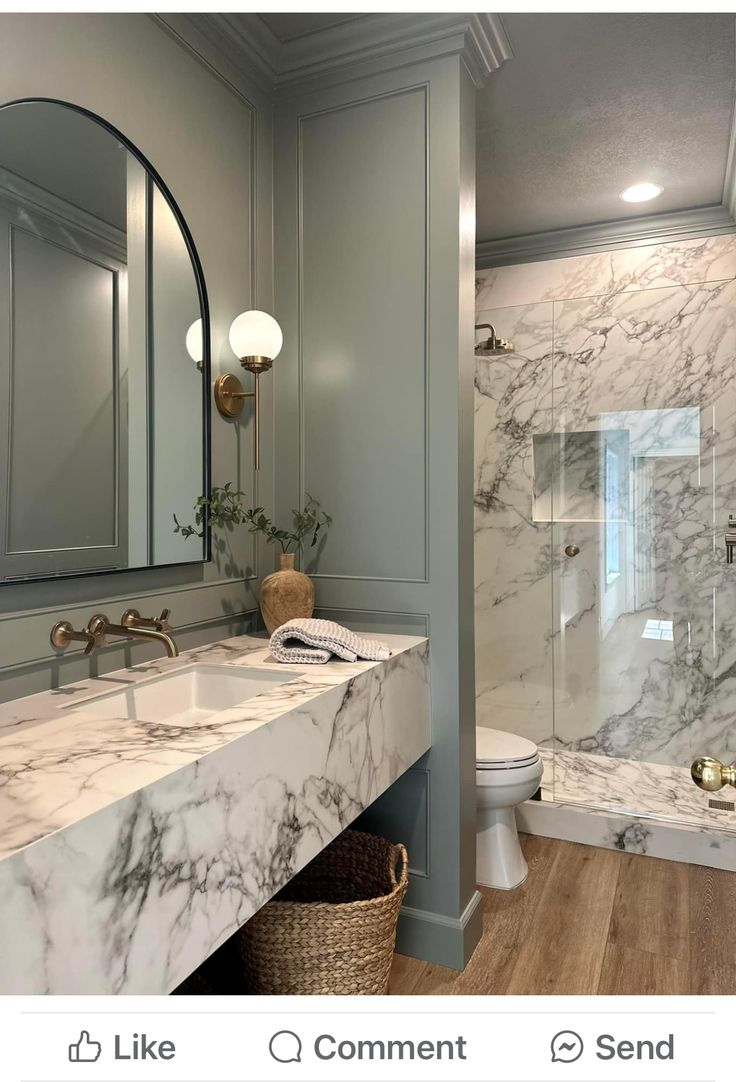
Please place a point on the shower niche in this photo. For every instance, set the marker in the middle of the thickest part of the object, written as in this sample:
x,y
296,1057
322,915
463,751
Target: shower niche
x,y
581,476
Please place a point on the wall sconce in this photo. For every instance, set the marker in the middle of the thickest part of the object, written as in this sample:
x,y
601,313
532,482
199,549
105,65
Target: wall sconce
x,y
256,339
195,345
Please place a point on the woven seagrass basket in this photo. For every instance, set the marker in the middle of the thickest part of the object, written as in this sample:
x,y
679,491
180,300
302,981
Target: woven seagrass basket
x,y
332,929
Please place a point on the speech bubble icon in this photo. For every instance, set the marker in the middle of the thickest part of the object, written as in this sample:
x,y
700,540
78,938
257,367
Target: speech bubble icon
x,y
566,1046
285,1047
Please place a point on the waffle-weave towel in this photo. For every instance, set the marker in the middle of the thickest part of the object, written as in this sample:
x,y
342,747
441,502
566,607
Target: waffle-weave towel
x,y
314,642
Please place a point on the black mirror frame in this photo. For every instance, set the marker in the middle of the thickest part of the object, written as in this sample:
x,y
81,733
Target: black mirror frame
x,y
206,358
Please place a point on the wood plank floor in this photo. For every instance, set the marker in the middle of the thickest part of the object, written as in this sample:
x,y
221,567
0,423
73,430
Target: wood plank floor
x,y
595,921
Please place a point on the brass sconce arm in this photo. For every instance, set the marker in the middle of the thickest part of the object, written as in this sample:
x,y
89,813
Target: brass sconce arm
x,y
229,397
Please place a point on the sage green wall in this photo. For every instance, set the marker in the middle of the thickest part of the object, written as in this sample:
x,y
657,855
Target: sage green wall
x,y
374,193
213,148
374,212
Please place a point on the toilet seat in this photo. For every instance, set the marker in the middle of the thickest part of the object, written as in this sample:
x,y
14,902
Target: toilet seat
x,y
496,750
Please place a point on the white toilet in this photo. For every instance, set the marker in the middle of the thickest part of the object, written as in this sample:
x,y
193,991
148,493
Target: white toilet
x,y
508,771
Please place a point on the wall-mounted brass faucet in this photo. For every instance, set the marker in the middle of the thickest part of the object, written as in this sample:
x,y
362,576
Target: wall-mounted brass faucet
x,y
711,774
132,626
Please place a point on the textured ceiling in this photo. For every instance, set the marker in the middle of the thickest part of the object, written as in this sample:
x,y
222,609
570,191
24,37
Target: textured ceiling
x,y
592,103
292,25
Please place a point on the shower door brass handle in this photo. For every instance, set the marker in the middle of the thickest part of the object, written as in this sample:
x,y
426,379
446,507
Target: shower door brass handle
x,y
711,774
571,550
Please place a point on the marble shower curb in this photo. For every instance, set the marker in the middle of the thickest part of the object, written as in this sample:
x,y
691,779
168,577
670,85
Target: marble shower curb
x,y
628,833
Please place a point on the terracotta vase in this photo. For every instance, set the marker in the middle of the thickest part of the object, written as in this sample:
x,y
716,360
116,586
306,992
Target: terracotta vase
x,y
286,595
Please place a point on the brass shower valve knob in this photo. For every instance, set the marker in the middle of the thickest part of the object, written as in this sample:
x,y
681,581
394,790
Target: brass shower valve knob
x,y
711,774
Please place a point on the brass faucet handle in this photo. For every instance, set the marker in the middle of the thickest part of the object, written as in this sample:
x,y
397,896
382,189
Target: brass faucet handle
x,y
132,618
711,774
63,635
97,629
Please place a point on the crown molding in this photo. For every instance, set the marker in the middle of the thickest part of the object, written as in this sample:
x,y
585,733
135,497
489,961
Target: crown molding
x,y
605,236
21,194
200,36
239,46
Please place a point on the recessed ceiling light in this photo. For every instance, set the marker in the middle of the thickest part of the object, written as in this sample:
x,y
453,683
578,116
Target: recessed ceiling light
x,y
640,193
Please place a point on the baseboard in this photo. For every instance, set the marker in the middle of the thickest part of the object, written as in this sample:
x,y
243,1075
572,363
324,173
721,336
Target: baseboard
x,y
433,937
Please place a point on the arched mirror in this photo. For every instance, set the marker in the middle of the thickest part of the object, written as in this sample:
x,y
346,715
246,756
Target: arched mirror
x,y
103,412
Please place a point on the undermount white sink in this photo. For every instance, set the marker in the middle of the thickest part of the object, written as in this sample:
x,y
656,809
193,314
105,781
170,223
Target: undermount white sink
x,y
187,696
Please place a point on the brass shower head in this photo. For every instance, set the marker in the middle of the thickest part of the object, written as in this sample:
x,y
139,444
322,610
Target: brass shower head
x,y
492,344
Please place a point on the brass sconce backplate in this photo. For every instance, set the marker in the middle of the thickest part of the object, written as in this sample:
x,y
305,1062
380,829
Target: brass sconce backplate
x,y
229,395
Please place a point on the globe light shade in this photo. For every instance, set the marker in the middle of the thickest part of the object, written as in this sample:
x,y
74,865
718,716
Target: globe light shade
x,y
195,342
255,334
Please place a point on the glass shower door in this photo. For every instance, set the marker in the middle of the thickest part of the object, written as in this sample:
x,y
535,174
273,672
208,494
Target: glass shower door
x,y
639,471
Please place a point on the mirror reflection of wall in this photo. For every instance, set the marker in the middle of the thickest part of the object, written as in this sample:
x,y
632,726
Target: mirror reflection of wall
x,y
103,414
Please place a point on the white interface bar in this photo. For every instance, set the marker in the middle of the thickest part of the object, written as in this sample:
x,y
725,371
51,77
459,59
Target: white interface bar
x,y
468,1039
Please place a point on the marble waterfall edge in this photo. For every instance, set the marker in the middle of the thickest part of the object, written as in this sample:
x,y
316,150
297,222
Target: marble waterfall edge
x,y
130,851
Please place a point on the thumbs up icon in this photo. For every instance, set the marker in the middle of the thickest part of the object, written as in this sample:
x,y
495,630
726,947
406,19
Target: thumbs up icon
x,y
85,1050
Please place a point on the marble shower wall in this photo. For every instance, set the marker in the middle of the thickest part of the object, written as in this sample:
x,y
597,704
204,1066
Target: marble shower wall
x,y
611,427
513,405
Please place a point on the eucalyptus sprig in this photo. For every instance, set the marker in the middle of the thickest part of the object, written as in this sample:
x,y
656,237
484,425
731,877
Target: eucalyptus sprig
x,y
225,507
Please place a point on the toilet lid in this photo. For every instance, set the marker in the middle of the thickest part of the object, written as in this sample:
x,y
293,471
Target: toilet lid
x,y
495,748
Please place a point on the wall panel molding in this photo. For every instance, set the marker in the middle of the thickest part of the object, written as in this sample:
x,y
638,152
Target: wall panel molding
x,y
302,120
379,621
29,244
440,606
17,192
411,791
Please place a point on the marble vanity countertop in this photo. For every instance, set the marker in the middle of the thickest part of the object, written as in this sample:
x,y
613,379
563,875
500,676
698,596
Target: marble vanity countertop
x,y
130,850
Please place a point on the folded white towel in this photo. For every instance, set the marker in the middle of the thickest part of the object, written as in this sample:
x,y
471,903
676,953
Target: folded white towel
x,y
313,642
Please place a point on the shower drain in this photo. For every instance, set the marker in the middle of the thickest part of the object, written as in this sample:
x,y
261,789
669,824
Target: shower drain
x,y
722,805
